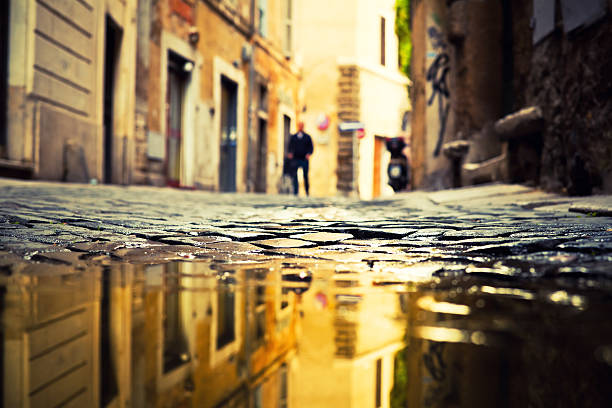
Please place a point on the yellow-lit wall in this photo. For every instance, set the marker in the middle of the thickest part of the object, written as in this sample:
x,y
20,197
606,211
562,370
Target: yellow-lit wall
x,y
348,33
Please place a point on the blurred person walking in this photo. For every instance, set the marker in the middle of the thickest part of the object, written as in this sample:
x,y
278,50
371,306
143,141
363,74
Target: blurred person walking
x,y
299,151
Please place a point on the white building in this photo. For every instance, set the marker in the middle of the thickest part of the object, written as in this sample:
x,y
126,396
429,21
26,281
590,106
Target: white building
x,y
349,53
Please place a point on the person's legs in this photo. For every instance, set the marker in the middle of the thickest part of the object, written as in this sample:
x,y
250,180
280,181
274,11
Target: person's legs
x,y
294,177
305,170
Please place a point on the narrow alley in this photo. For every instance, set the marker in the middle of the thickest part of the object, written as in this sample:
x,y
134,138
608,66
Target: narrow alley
x,y
144,296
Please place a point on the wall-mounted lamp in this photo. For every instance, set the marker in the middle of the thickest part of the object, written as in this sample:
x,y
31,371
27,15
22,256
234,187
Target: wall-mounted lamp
x,y
246,53
194,35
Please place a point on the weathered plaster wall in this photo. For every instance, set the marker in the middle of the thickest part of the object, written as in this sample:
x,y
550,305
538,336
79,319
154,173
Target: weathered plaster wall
x,y
478,82
43,74
319,50
522,49
56,89
282,85
347,39
479,66
438,111
165,26
419,95
458,84
367,33
226,48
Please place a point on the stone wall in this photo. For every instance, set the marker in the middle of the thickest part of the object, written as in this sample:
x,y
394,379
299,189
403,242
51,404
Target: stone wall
x,y
499,65
570,79
55,112
348,111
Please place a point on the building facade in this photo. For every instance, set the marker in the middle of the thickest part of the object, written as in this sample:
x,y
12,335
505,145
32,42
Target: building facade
x,y
69,90
148,335
355,335
184,93
200,93
216,88
512,91
353,93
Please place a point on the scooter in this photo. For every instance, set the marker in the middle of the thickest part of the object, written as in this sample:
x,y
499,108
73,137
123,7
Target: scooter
x,y
398,170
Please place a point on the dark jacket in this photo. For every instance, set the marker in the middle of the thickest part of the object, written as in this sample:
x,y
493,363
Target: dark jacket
x,y
300,147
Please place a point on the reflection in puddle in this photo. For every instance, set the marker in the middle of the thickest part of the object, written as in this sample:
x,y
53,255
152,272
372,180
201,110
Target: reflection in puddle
x,y
299,333
538,345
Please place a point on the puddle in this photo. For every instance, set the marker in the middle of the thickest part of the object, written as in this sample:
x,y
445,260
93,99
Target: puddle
x,y
255,330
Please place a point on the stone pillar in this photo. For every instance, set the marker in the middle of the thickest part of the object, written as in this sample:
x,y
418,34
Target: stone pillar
x,y
348,111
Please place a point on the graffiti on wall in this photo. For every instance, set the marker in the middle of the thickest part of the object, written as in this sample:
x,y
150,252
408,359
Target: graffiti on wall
x,y
437,74
436,388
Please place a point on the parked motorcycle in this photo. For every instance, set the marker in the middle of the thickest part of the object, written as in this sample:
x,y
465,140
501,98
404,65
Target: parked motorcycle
x,y
398,170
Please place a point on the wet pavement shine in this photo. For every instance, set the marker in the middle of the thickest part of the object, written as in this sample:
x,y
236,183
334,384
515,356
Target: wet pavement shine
x,y
496,296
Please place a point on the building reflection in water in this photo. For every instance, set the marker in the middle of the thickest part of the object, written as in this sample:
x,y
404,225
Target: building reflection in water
x,y
278,335
352,332
480,341
51,338
176,334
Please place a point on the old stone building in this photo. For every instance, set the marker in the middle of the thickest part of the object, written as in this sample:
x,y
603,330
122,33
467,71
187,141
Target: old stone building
x,y
190,93
128,337
354,94
216,95
512,90
199,93
68,89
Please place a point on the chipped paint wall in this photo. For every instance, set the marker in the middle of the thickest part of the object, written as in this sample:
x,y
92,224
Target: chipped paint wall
x,y
228,47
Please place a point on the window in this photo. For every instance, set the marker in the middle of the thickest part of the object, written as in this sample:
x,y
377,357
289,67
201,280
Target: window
x,y
225,313
262,96
382,40
175,344
259,275
262,15
288,27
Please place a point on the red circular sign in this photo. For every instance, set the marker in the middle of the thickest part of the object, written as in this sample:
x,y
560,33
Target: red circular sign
x,y
323,122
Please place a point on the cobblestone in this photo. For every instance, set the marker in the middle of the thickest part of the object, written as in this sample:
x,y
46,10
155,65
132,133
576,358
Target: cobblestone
x,y
505,230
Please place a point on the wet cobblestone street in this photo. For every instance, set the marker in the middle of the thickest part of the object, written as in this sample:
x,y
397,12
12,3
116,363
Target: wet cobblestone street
x,y
489,296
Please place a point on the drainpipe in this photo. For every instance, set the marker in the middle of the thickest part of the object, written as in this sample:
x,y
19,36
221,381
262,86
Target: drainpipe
x,y
247,332
251,144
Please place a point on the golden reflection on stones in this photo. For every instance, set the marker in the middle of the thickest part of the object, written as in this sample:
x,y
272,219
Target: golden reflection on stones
x,y
311,332
430,304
